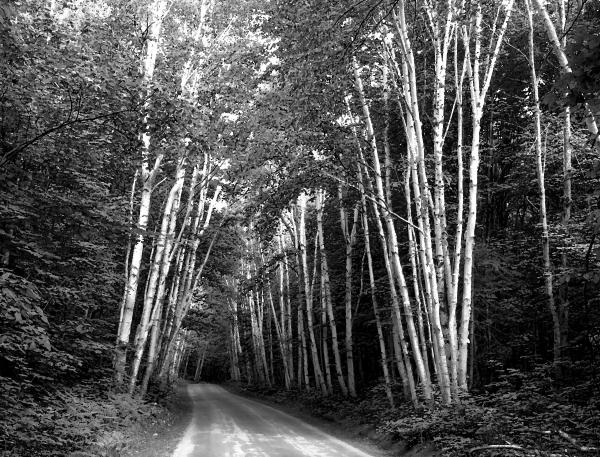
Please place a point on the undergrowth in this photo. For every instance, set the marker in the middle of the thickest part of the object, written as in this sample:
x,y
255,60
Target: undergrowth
x,y
523,413
77,421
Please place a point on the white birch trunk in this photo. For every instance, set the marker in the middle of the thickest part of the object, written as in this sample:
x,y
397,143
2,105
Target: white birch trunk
x,y
320,199
393,244
373,287
350,241
308,296
478,95
155,16
547,264
157,270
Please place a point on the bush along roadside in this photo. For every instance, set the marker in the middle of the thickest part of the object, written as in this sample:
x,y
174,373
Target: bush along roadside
x,y
525,414
80,421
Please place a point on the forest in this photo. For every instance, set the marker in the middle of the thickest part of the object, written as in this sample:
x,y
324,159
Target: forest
x,y
385,208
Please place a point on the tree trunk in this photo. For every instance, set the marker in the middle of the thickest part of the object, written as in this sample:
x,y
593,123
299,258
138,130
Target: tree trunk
x,y
350,241
200,364
159,268
478,96
394,255
155,16
373,287
327,290
308,296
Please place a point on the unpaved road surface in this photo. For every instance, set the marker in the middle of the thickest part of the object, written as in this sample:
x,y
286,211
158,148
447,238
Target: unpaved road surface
x,y
227,425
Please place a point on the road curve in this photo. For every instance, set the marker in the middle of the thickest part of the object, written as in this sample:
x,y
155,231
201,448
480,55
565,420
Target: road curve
x,y
227,425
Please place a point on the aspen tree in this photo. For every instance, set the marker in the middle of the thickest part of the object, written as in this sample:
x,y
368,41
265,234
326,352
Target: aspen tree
x,y
559,309
324,345
127,249
254,331
456,258
432,263
260,336
283,314
415,271
403,363
236,347
323,308
190,277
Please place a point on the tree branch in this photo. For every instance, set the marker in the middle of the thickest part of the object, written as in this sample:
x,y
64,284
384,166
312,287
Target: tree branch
x,y
16,150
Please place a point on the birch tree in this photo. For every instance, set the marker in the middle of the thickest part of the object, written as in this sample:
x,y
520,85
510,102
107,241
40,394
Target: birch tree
x,y
319,379
326,290
547,265
154,17
479,83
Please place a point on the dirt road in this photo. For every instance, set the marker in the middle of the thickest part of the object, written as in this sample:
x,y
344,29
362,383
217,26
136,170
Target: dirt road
x,y
225,424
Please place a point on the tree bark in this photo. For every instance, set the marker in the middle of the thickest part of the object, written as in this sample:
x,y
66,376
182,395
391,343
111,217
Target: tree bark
x,y
155,13
478,95
308,295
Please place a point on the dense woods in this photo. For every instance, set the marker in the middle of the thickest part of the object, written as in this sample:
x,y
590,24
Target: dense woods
x,y
387,205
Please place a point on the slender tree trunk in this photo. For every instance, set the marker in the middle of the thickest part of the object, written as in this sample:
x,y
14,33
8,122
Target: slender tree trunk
x,y
376,312
158,269
320,199
131,287
155,12
279,332
287,314
200,364
453,298
563,308
548,277
302,347
397,270
403,364
478,95
308,296
350,241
